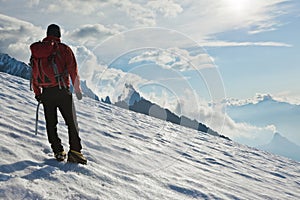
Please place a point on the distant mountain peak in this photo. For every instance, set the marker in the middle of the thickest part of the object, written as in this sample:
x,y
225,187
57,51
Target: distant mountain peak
x,y
279,139
264,97
129,95
282,146
277,136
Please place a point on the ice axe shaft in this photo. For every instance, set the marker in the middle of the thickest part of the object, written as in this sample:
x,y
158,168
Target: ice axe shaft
x,y
37,118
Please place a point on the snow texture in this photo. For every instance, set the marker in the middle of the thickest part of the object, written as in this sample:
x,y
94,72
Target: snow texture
x,y
130,156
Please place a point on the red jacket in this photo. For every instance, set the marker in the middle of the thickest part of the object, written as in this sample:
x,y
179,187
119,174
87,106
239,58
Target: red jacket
x,y
42,69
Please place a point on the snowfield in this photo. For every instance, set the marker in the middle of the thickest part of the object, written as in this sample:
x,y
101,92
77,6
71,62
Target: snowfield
x,y
130,156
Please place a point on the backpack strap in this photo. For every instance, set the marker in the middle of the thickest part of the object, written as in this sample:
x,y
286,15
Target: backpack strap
x,y
58,76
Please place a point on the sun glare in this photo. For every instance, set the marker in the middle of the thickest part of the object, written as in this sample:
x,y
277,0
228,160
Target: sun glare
x,y
239,7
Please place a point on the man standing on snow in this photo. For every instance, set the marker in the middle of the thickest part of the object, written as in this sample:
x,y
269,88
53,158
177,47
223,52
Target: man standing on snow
x,y
52,64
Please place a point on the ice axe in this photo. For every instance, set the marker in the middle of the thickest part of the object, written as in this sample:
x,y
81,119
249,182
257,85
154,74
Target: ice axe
x,y
37,118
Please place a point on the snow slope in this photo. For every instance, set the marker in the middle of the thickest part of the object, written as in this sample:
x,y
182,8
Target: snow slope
x,y
144,159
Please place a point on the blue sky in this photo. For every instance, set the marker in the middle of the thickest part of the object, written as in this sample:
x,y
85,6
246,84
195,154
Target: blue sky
x,y
262,69
178,53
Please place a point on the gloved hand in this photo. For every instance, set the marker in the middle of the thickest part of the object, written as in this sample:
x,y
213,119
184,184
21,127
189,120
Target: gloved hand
x,y
79,95
39,98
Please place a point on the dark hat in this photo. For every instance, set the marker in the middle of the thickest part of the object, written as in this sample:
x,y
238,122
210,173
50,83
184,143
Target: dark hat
x,y
53,30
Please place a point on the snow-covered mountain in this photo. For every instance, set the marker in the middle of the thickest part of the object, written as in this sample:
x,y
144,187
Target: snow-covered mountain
x,y
132,100
129,95
130,156
282,146
14,67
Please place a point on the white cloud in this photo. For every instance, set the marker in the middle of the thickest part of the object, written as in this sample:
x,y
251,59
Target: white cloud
x,y
248,134
198,20
127,12
212,17
167,8
217,119
16,36
75,6
285,96
110,82
92,34
136,11
87,62
175,58
288,96
32,3
256,99
103,80
216,43
204,19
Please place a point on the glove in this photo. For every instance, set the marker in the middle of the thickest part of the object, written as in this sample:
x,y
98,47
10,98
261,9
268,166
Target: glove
x,y
79,95
39,98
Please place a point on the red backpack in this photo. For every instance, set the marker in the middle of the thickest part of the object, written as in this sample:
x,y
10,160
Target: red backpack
x,y
48,67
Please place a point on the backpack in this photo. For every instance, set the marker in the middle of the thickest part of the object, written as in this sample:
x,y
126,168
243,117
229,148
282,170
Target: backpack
x,y
48,67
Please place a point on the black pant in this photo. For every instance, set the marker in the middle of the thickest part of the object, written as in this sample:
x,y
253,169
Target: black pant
x,y
52,99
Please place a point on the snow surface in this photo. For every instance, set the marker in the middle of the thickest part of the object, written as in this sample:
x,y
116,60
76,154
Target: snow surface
x,y
130,156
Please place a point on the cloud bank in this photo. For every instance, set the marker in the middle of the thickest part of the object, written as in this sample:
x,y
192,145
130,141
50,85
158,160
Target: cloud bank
x,y
16,36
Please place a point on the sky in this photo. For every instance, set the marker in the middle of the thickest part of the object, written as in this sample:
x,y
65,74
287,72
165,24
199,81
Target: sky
x,y
184,55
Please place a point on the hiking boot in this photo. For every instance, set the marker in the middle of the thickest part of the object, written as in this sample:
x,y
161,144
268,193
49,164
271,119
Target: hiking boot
x,y
76,157
60,156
